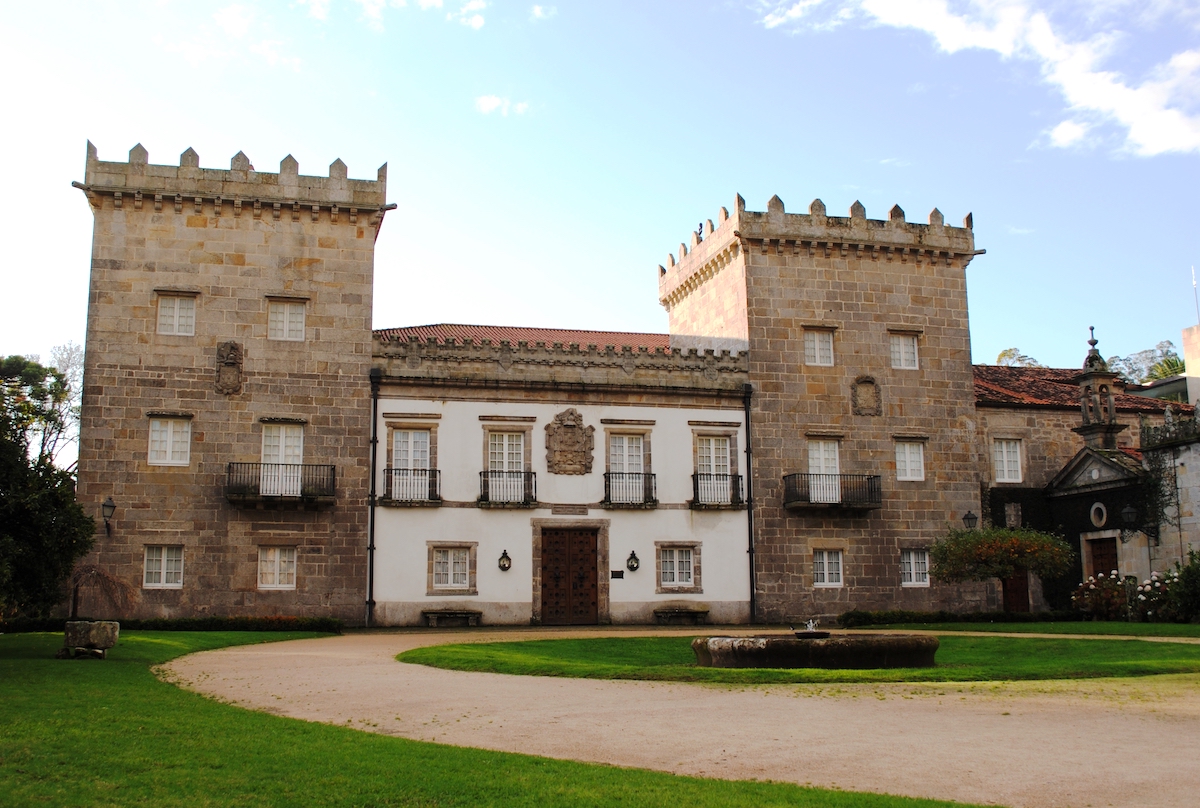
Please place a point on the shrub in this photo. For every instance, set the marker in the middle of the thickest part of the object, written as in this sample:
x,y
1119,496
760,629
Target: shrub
x,y
998,552
1104,597
329,625
1185,591
859,618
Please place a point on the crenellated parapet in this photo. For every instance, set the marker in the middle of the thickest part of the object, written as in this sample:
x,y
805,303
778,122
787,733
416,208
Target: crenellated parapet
x,y
814,234
239,191
434,361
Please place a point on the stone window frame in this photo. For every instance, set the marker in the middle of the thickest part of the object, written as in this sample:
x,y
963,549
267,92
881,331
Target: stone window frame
x,y
412,426
283,549
825,550
509,424
641,431
696,587
169,418
472,587
712,430
162,566
909,333
175,295
814,329
910,440
289,301
1008,438
914,584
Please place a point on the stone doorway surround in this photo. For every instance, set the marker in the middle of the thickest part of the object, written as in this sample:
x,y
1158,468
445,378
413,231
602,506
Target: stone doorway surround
x,y
603,616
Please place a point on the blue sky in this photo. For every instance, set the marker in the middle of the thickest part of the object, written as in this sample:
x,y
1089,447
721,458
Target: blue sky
x,y
546,158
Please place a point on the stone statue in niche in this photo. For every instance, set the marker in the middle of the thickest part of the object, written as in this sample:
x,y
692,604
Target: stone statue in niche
x,y
865,398
229,368
569,444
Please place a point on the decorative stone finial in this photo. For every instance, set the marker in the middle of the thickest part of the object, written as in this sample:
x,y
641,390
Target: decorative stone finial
x,y
289,166
708,227
817,208
858,210
189,158
896,214
381,174
722,216
138,154
775,205
337,170
240,162
936,219
739,203
969,221
91,151
683,251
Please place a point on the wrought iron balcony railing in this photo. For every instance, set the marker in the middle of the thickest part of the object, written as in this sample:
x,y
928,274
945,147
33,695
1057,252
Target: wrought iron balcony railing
x,y
717,491
629,488
257,482
852,491
412,485
511,488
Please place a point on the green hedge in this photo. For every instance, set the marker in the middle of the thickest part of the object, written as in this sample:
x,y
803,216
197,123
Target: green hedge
x,y
856,619
329,625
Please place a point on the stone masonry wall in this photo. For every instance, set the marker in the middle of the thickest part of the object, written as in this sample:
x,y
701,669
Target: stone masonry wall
x,y
233,240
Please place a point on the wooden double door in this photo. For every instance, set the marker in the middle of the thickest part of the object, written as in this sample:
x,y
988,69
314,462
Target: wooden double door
x,y
570,590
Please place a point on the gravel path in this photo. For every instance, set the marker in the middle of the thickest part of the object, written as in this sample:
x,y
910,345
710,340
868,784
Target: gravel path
x,y
1131,742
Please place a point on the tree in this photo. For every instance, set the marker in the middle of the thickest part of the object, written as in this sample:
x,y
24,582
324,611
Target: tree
x,y
1165,368
998,552
1013,358
1137,367
43,531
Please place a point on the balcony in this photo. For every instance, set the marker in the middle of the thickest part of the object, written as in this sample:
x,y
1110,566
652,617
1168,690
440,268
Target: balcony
x,y
848,491
411,487
280,484
507,489
717,492
629,490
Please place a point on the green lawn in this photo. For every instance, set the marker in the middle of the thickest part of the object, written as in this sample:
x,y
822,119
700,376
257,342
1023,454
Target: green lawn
x,y
1096,628
960,659
101,733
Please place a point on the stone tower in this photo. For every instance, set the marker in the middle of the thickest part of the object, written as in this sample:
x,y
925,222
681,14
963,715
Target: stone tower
x,y
226,401
1099,427
862,428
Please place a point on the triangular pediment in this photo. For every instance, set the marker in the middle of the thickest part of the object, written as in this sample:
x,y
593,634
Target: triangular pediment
x,y
1092,468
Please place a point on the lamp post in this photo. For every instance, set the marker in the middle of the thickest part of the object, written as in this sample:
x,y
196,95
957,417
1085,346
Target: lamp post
x,y
107,509
970,520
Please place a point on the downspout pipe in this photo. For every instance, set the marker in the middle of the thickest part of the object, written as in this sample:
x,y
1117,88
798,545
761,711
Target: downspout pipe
x,y
747,393
376,378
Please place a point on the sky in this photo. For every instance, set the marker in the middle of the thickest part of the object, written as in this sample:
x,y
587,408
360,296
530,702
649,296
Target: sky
x,y
545,159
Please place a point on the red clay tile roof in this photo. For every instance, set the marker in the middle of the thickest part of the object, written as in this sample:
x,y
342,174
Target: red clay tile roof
x,y
1000,386
549,336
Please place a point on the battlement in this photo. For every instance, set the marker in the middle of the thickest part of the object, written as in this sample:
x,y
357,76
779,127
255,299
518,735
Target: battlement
x,y
435,361
138,182
814,233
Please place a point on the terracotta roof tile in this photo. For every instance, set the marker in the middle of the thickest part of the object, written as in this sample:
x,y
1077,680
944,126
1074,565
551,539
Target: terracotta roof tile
x,y
514,334
997,385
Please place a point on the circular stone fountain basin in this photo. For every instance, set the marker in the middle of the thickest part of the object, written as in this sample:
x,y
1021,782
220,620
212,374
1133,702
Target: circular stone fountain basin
x,y
850,651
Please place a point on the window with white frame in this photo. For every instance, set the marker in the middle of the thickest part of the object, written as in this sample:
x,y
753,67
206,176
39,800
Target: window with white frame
x,y
451,567
914,568
170,442
177,315
506,451
824,480
410,465
675,566
910,460
714,484
1006,456
163,567
276,567
285,321
827,567
818,348
282,456
625,454
626,481
904,351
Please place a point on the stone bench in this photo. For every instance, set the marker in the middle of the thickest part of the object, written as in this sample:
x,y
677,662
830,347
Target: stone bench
x,y
437,618
84,639
681,617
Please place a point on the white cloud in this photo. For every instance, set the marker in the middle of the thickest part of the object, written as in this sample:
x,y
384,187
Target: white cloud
x,y
372,11
1020,231
1160,114
895,161
469,14
487,104
317,9
542,12
268,49
424,4
234,20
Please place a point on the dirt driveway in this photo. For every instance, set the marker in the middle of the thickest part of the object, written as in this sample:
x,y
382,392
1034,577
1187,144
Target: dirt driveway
x,y
1132,742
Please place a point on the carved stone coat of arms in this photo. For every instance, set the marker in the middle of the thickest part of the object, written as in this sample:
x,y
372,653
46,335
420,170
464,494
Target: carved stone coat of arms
x,y
229,368
569,444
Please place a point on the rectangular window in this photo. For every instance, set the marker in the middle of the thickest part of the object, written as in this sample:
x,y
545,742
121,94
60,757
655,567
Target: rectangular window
x,y
177,315
170,442
914,568
451,568
410,478
282,456
276,567
712,455
285,321
824,481
827,567
625,454
904,351
818,348
164,567
506,451
1006,455
910,460
675,564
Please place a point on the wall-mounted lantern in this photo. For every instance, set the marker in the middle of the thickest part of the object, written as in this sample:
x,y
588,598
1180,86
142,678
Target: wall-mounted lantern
x,y
107,509
505,562
1129,517
970,520
632,563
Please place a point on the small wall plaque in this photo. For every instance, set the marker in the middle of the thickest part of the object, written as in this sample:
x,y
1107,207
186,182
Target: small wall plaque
x,y
618,573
